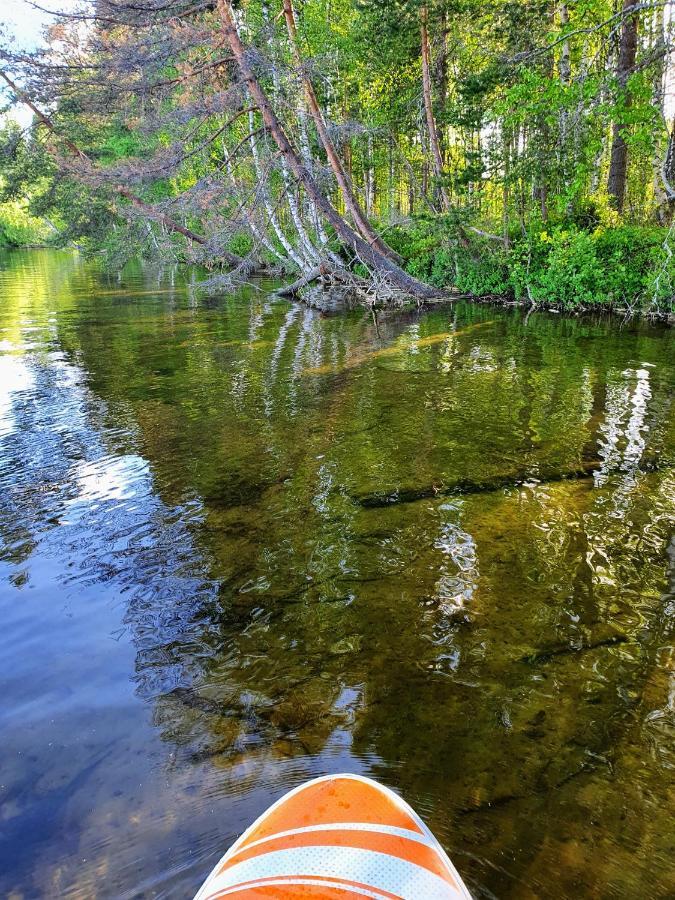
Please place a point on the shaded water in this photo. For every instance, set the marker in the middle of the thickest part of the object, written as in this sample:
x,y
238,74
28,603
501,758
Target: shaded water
x,y
245,543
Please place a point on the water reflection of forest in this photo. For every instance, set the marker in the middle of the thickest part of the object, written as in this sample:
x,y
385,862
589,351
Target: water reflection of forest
x,y
442,539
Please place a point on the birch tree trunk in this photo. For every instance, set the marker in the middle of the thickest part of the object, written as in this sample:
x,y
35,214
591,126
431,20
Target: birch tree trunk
x,y
565,73
306,156
370,178
506,153
351,203
308,250
658,98
667,175
267,200
564,66
259,234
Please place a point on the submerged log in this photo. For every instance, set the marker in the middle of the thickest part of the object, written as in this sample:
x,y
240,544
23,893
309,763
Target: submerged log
x,y
190,699
586,470
469,486
292,290
327,272
549,653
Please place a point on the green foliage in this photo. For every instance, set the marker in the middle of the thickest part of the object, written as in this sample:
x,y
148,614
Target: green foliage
x,y
118,143
629,256
565,267
241,244
483,273
18,228
418,244
560,269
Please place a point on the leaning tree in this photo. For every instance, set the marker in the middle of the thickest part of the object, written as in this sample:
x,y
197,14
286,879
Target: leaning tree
x,y
201,118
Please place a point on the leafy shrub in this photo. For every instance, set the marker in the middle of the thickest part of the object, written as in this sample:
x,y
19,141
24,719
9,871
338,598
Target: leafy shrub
x,y
418,244
18,228
629,257
484,272
567,276
564,265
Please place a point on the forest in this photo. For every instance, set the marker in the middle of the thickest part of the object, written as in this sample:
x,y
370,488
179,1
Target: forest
x,y
337,435
510,150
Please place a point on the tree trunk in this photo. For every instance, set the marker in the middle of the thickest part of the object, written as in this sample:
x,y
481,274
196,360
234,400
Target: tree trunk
x,y
429,109
618,164
292,290
506,152
351,203
390,180
259,234
564,66
307,248
366,251
565,73
270,209
667,179
306,156
443,79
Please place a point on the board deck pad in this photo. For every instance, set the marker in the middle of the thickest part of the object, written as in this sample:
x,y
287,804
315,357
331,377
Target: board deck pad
x,y
336,837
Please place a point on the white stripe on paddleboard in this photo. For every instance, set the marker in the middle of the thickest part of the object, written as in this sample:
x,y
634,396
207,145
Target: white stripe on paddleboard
x,y
312,882
379,871
340,826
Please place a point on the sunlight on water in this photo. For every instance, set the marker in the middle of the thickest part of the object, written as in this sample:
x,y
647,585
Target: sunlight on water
x,y
15,378
111,478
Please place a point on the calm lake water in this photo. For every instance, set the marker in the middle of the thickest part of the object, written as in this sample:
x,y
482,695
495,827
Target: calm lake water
x,y
244,543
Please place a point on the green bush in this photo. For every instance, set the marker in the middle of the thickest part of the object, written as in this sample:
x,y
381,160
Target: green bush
x,y
18,228
563,266
483,272
628,257
418,245
566,274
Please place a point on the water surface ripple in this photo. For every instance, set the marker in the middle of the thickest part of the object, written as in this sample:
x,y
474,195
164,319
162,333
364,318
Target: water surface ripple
x,y
244,542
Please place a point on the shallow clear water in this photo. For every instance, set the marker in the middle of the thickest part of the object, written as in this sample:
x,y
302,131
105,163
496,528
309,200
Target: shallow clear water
x,y
244,543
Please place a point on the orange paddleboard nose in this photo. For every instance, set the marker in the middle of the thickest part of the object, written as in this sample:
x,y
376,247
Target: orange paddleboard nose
x,y
337,837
